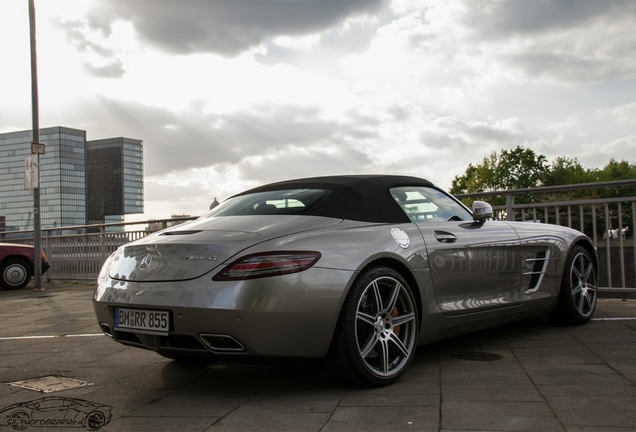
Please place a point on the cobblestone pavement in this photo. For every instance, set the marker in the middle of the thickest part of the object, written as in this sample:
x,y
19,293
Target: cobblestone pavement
x,y
546,378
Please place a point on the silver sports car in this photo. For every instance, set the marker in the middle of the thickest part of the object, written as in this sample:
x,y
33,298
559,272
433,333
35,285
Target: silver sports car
x,y
356,269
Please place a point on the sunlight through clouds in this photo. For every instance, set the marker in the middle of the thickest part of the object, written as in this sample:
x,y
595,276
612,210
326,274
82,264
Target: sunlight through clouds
x,y
231,95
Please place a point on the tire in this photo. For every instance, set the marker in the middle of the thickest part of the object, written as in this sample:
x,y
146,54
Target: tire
x,y
376,333
17,418
15,273
95,420
577,296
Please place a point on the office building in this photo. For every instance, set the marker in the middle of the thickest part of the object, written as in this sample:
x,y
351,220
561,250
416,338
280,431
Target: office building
x,y
114,183
65,178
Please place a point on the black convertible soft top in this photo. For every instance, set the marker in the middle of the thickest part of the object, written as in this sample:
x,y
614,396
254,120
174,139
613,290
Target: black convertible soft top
x,y
356,197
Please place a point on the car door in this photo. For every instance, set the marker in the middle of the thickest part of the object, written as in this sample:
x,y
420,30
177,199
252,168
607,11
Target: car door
x,y
475,266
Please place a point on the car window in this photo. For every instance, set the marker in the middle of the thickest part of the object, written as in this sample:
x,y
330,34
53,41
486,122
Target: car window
x,y
424,204
52,403
291,201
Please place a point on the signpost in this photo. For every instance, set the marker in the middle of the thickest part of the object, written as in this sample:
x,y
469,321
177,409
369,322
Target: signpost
x,y
37,149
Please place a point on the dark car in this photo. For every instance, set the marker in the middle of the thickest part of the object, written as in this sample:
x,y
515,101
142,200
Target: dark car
x,y
56,412
16,265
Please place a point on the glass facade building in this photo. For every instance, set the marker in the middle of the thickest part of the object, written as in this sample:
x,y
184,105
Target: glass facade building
x,y
65,178
62,179
115,183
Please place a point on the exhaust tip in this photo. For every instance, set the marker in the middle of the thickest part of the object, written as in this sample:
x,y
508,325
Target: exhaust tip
x,y
222,343
106,329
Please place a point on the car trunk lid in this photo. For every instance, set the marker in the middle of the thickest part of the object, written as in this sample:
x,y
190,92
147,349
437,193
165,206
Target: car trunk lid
x,y
191,250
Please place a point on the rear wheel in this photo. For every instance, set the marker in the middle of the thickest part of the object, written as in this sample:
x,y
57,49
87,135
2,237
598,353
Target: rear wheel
x,y
376,334
15,273
577,297
20,420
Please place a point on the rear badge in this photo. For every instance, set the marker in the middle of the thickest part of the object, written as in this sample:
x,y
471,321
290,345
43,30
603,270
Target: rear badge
x,y
146,263
401,238
200,258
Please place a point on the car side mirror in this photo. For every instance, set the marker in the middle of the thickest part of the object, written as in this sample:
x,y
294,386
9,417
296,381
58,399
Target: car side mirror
x,y
481,211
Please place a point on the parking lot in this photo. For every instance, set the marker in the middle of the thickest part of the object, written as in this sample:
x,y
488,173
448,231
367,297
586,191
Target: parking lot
x,y
525,376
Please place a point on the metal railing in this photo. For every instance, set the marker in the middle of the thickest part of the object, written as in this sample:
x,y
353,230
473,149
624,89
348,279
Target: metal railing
x,y
609,222
78,252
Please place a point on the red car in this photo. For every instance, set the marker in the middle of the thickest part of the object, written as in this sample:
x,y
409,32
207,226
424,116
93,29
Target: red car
x,y
16,265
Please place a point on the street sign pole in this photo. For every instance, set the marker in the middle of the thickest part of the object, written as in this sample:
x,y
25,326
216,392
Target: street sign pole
x,y
37,230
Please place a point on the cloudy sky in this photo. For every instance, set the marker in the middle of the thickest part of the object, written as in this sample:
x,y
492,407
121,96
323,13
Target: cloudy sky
x,y
231,94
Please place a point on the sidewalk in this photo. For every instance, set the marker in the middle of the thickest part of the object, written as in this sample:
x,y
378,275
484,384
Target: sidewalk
x,y
526,376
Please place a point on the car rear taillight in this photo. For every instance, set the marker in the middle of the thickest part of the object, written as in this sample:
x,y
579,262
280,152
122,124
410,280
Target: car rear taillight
x,y
42,255
267,264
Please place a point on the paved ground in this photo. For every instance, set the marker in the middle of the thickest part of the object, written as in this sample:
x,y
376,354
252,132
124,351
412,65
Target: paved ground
x,y
548,378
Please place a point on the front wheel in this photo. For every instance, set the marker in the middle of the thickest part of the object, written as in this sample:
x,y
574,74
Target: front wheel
x,y
95,420
577,297
376,334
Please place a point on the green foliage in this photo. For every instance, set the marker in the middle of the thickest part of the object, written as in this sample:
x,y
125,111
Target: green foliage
x,y
614,170
522,168
564,171
511,169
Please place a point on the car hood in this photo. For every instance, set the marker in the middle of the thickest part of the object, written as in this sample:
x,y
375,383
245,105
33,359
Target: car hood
x,y
193,249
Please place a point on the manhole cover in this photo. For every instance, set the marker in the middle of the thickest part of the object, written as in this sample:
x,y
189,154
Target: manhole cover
x,y
476,356
51,384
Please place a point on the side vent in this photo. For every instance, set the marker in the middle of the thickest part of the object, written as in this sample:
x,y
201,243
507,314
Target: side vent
x,y
538,264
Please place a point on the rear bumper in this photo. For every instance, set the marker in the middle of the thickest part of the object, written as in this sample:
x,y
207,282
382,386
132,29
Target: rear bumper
x,y
286,316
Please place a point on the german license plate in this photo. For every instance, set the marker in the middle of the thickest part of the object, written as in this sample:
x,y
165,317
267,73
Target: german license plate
x,y
142,319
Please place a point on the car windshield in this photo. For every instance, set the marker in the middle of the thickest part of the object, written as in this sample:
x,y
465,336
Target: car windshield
x,y
423,204
290,201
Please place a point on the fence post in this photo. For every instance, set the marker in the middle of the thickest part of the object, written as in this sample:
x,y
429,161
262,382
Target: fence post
x,y
102,243
634,235
47,249
510,202
620,243
608,245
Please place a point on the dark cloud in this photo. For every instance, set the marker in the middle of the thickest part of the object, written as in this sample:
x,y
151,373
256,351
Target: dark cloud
x,y
226,27
571,42
111,66
571,69
176,141
114,69
296,162
334,44
506,18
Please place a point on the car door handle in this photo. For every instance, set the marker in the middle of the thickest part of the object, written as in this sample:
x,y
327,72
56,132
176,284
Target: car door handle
x,y
444,237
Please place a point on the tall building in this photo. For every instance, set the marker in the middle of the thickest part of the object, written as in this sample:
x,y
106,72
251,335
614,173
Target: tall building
x,y
114,183
64,179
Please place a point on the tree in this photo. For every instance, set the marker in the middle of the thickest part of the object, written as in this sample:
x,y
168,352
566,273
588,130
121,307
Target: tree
x,y
564,171
522,168
511,169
